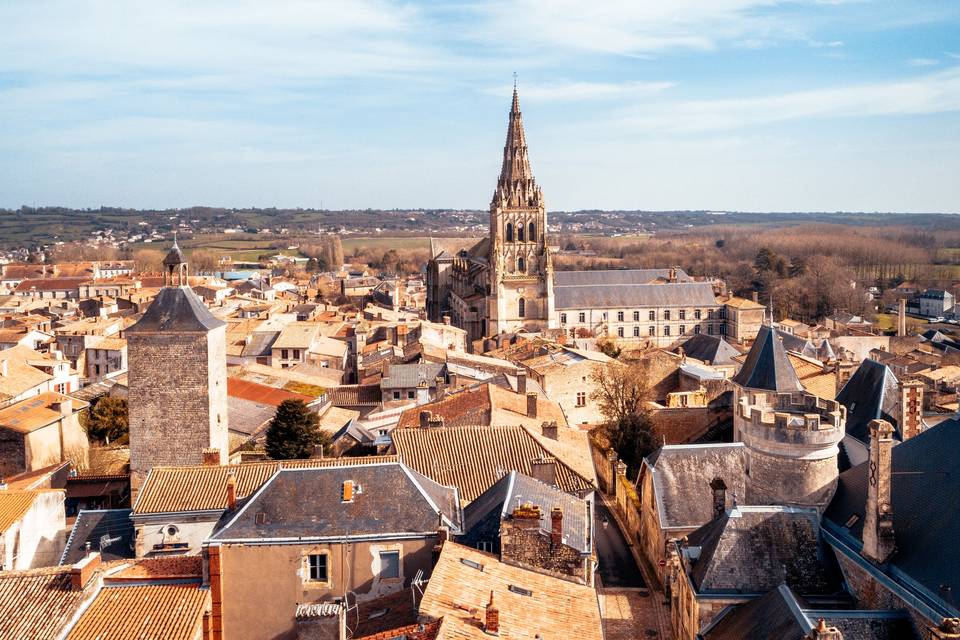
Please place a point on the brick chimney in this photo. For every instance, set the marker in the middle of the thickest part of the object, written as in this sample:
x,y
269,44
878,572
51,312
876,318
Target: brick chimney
x,y
441,385
823,632
521,380
435,421
491,618
911,408
556,527
211,456
81,572
231,491
949,628
531,404
755,295
425,416
550,430
878,539
719,489
544,470
902,317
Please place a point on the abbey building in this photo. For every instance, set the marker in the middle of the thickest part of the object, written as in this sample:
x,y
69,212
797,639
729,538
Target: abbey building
x,y
506,282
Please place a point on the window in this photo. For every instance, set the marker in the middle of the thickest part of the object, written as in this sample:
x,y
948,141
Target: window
x,y
683,330
389,564
723,329
683,314
619,332
651,330
521,265
317,567
710,329
396,395
509,232
636,332
522,308
485,545
652,315
581,398
583,317
696,328
533,232
604,316
710,313
296,354
520,232
563,318
411,394
666,314
283,354
666,331
619,316
636,316
696,314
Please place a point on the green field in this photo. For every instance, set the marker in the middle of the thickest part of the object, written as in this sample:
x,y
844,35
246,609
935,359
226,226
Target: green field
x,y
888,322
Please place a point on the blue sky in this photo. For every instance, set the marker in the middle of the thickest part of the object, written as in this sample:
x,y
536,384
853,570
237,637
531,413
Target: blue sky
x,y
629,104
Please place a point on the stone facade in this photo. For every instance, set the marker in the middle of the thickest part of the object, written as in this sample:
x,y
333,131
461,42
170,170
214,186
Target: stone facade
x,y
524,544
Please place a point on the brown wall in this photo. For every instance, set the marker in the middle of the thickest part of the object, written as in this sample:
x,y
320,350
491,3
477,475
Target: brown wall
x,y
262,584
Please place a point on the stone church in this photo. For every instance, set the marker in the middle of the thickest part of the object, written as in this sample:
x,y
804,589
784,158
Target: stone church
x,y
177,379
506,282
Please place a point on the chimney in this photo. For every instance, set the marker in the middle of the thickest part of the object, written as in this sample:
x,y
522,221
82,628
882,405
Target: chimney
x,y
491,618
446,320
878,540
911,408
441,385
949,628
556,527
64,406
81,572
347,491
823,632
544,470
435,421
756,296
719,489
425,416
521,380
231,491
902,317
211,456
531,404
550,430
385,370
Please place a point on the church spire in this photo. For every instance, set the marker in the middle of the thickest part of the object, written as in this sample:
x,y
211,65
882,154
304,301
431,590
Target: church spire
x,y
516,185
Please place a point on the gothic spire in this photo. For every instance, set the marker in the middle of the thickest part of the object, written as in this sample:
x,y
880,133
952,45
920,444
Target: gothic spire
x,y
516,185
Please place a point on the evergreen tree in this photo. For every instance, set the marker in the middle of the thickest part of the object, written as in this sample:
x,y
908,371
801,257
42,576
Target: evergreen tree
x,y
294,432
106,420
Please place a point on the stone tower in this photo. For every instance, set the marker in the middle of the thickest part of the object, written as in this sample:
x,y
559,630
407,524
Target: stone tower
x,y
792,437
521,268
177,378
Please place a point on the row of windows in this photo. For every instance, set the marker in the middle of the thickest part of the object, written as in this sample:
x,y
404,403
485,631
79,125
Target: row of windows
x,y
533,232
651,315
667,332
318,566
284,354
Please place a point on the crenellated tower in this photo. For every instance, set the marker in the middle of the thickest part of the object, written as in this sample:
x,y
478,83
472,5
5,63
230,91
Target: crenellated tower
x,y
521,269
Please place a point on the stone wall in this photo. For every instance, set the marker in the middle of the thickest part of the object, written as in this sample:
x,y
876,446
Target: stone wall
x,y
523,543
13,455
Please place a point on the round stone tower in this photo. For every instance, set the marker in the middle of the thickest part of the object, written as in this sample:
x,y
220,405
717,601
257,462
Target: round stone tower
x,y
792,437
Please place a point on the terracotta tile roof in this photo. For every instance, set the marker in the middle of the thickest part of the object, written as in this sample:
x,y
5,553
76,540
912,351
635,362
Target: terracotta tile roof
x,y
256,392
20,376
469,407
474,458
741,303
425,631
531,605
204,487
173,567
36,604
167,611
36,412
353,395
50,284
13,506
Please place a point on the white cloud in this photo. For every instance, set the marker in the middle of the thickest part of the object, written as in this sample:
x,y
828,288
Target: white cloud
x,y
933,93
923,62
572,90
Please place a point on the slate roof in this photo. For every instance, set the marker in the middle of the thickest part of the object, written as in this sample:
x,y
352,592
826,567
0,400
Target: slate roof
x,y
109,531
871,393
604,277
531,604
474,458
924,489
755,549
176,310
389,500
781,615
168,611
767,365
405,376
260,343
682,475
515,488
713,350
38,603
625,296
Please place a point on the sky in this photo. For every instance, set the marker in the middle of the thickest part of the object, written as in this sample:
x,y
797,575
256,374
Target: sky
x,y
750,105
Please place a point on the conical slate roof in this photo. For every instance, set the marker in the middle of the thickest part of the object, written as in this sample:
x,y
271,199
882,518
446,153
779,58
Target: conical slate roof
x,y
767,366
176,310
174,256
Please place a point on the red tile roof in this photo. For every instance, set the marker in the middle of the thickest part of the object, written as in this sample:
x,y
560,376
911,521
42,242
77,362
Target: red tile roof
x,y
256,392
144,612
38,603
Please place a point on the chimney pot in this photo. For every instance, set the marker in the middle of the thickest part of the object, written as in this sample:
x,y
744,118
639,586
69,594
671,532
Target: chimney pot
x,y
231,491
491,622
556,527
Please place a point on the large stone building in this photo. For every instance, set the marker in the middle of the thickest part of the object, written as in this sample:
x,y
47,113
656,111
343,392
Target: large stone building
x,y
506,282
177,378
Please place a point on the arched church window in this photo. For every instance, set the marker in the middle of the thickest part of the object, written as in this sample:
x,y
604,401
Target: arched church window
x,y
521,265
521,307
509,232
520,232
533,232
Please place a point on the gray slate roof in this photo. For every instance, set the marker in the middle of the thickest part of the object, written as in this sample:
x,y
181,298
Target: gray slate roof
x,y
924,490
625,296
176,310
604,277
710,349
682,475
109,531
871,393
767,365
260,343
389,499
516,487
755,549
405,376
